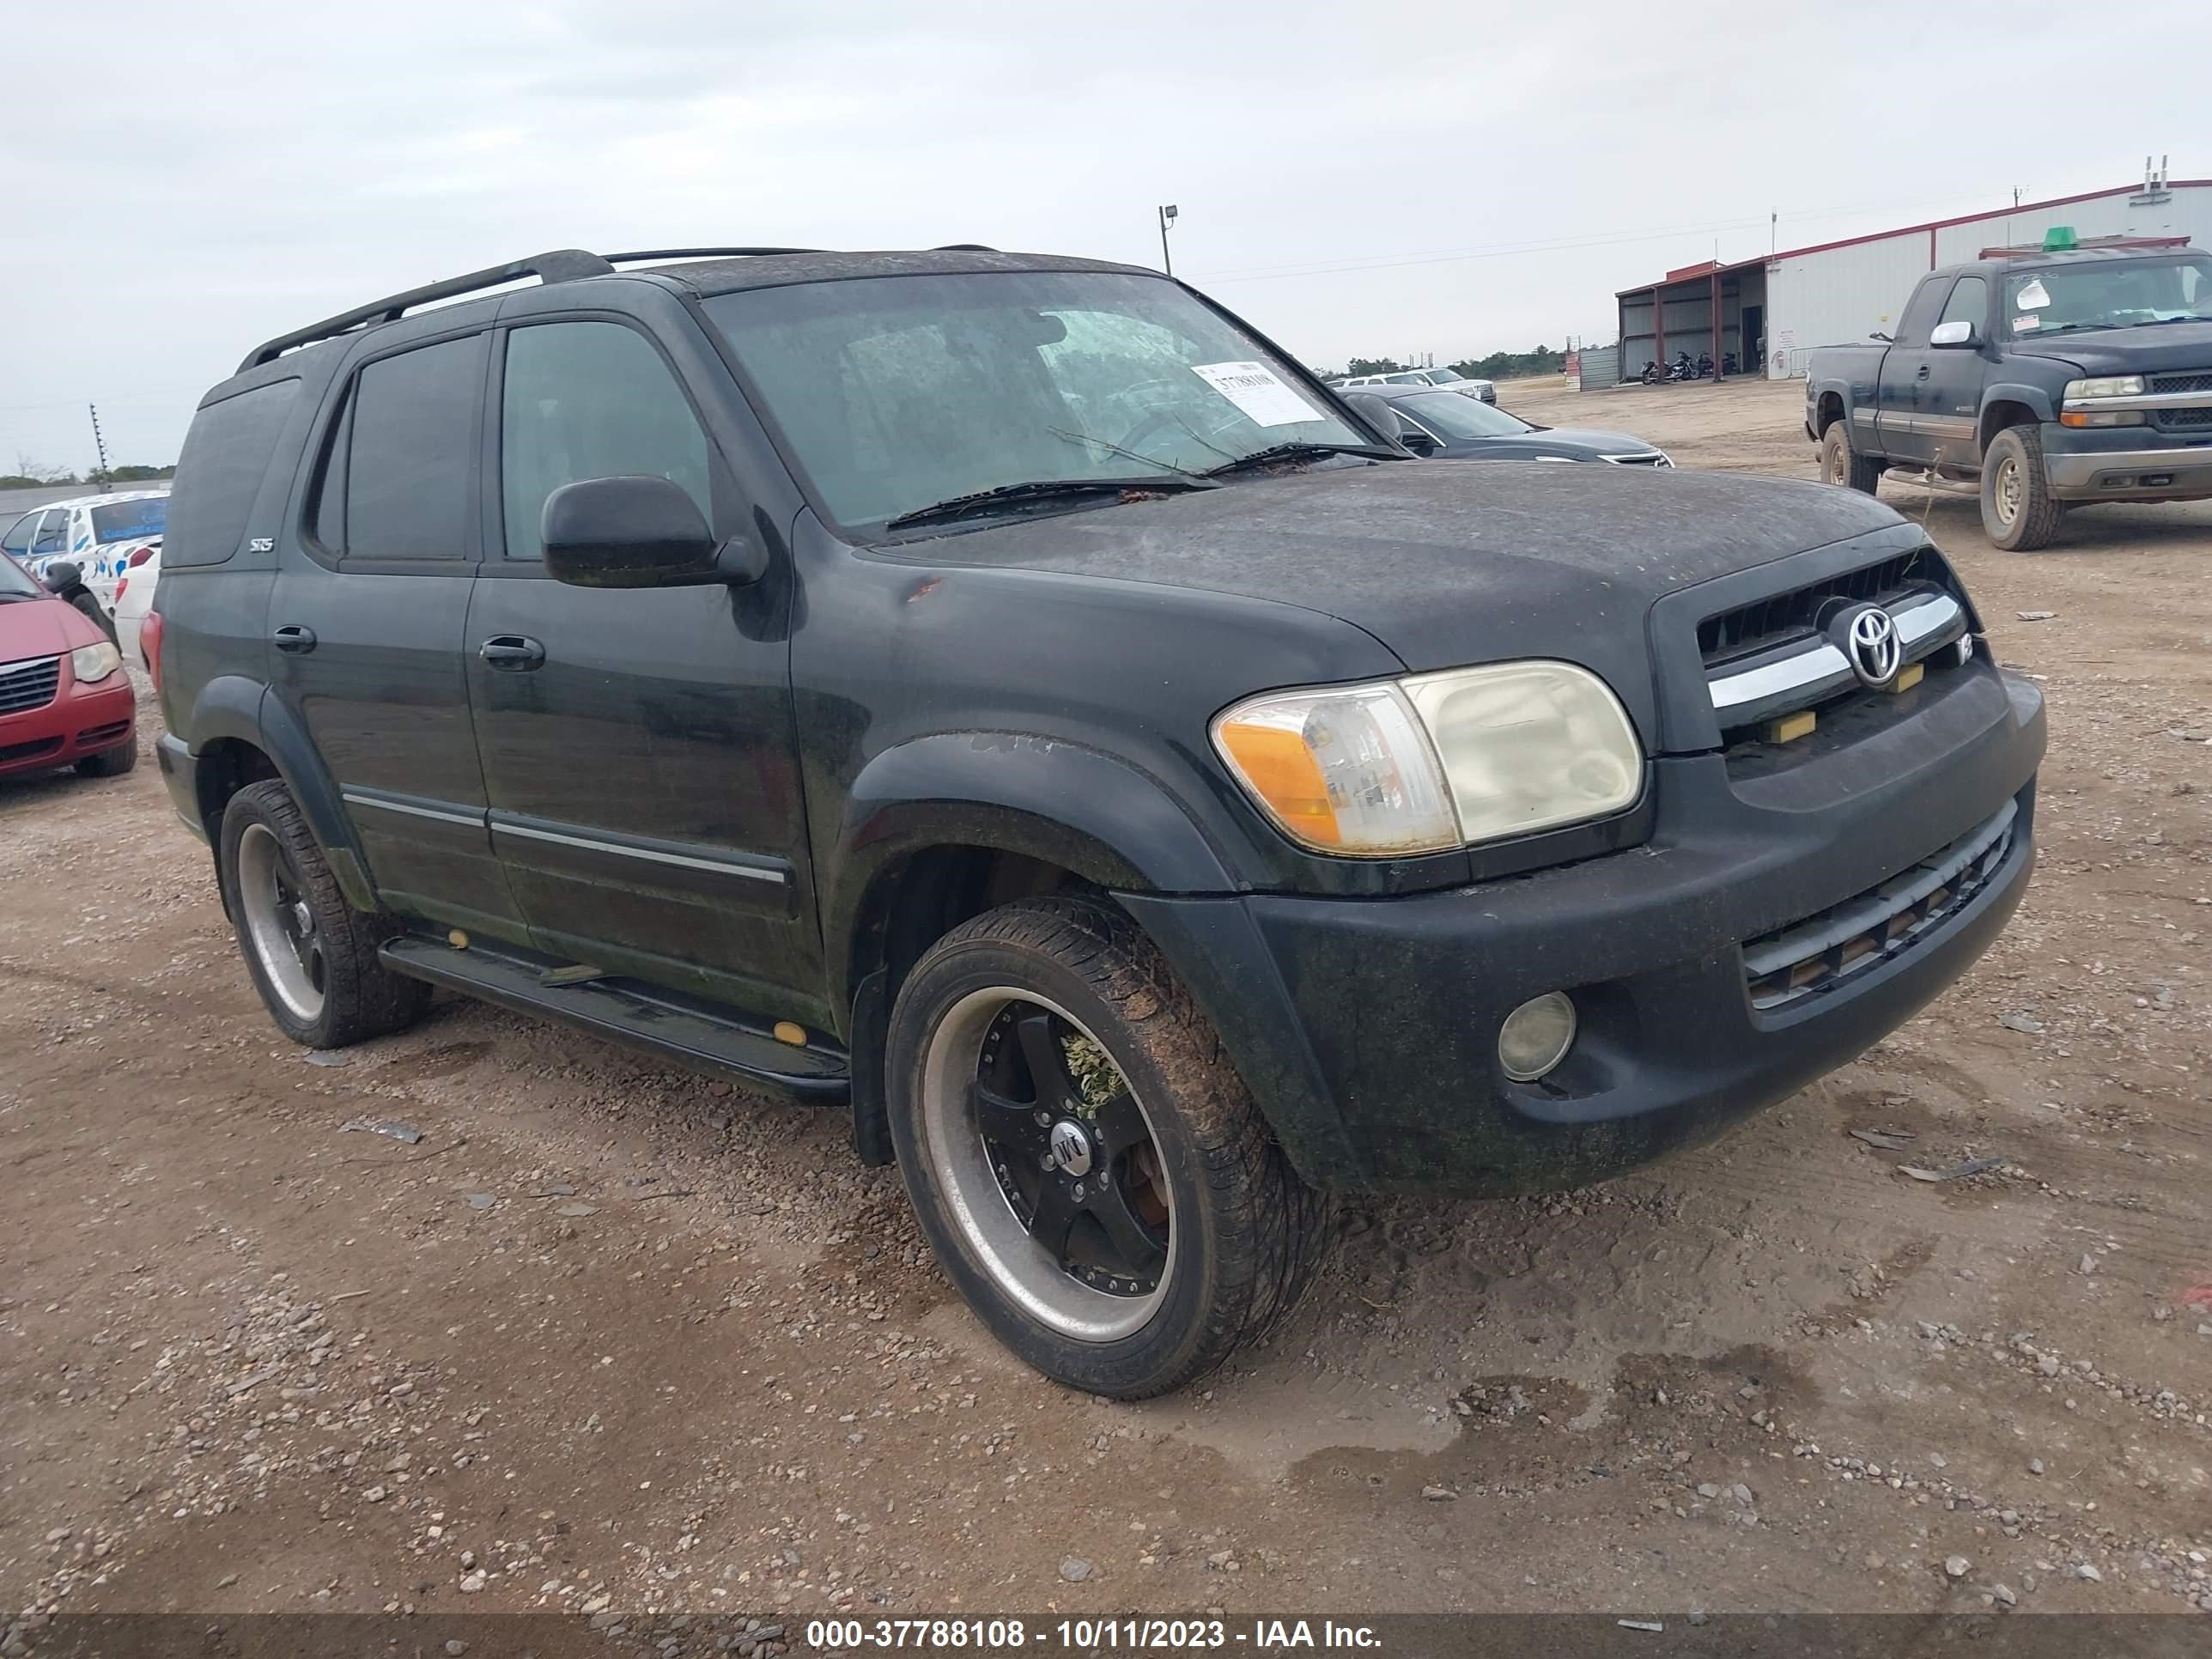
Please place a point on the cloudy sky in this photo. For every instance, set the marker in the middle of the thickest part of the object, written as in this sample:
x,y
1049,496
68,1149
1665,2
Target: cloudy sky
x,y
1446,176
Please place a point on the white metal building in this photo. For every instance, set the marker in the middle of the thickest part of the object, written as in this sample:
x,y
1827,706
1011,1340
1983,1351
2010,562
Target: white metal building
x,y
1772,311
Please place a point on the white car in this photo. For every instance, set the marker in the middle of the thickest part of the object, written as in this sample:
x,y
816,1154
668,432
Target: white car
x,y
1450,379
134,598
108,537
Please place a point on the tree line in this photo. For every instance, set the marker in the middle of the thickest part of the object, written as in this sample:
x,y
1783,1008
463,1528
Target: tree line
x,y
1497,365
36,475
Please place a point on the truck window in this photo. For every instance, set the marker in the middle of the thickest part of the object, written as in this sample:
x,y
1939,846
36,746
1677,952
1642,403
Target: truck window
x,y
228,449
1969,303
1920,313
412,452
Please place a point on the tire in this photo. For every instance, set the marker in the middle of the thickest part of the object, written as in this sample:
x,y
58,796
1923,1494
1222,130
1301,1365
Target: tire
x,y
2018,513
110,763
312,955
1843,466
1229,1237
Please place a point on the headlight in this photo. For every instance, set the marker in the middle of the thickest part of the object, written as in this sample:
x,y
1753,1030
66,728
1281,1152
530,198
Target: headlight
x,y
2108,386
91,664
1435,761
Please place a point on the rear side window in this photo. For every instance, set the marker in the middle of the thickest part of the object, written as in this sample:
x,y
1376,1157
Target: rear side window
x,y
411,452
53,533
219,473
1920,313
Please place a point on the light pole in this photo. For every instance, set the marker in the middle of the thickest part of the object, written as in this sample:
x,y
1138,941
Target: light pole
x,y
1167,218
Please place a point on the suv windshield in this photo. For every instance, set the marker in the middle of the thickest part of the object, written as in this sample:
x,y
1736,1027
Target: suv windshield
x,y
1458,416
2108,293
117,521
895,393
1442,376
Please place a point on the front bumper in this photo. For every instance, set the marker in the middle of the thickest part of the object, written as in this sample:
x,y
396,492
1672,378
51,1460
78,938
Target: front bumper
x,y
1367,1028
81,722
2126,464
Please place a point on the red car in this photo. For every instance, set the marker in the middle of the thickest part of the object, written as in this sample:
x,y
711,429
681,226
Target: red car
x,y
64,699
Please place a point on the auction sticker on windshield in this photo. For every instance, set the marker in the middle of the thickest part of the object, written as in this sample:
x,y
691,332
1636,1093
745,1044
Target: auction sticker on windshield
x,y
1259,392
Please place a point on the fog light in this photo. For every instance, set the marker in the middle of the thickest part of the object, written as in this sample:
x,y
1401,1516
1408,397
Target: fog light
x,y
1536,1036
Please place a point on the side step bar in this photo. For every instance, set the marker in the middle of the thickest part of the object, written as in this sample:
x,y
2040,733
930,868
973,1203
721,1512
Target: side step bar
x,y
685,1030
1919,478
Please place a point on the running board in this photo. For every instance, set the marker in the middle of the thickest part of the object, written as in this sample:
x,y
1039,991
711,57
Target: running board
x,y
1923,480
686,1030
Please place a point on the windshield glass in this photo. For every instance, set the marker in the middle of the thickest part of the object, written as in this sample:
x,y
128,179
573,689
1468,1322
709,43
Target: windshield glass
x,y
2108,293
117,521
1458,416
898,392
1442,376
14,582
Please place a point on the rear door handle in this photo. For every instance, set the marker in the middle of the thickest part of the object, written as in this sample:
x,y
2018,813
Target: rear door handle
x,y
515,653
293,638
1922,374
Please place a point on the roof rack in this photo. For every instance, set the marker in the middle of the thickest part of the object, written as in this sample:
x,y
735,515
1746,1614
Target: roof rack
x,y
565,264
2086,245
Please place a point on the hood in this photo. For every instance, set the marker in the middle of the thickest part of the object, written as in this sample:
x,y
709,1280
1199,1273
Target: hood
x,y
42,628
2159,348
1446,563
1595,439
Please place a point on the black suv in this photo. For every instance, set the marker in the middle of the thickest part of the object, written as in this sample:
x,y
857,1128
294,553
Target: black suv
x,y
1009,695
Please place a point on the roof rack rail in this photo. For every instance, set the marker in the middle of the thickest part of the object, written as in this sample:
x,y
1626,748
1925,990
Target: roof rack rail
x,y
702,253
565,264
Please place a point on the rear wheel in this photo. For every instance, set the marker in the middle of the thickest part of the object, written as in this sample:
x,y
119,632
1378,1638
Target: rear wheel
x,y
1088,1166
313,957
2018,509
110,763
1842,465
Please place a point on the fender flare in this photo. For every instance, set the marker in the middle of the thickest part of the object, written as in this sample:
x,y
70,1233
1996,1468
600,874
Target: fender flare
x,y
2037,399
1086,810
233,707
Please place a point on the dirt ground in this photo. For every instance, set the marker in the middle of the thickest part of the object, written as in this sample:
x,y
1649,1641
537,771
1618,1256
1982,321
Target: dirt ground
x,y
610,1339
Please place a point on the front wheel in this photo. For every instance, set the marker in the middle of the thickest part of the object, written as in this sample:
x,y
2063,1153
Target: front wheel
x,y
2018,509
1089,1168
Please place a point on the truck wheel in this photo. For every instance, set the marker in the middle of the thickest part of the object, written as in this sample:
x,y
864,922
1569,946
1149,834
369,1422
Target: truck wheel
x,y
1843,466
1090,1168
312,955
2018,510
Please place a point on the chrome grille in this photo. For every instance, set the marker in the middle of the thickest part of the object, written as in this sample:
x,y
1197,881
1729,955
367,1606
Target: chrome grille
x,y
32,684
2185,417
1771,620
1822,951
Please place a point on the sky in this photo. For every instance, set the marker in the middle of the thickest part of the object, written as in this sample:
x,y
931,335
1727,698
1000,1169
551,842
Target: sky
x,y
1445,177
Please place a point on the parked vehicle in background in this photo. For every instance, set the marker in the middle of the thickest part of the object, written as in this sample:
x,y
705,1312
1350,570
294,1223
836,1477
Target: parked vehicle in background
x,y
1434,423
65,700
2039,381
1452,378
134,601
1146,822
104,536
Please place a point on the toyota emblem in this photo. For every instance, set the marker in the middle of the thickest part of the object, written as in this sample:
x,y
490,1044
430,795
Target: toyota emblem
x,y
1873,647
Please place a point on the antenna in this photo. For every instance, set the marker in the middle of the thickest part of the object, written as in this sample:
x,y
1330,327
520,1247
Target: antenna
x,y
98,443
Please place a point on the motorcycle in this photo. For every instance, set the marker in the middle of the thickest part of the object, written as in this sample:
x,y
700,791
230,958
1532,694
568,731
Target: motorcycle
x,y
1728,362
1705,365
1652,373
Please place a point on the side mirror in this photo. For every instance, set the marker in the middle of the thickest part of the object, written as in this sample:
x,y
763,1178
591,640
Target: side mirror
x,y
639,531
61,575
1375,410
1951,335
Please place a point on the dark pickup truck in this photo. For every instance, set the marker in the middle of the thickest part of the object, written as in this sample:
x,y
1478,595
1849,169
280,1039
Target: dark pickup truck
x,y
2043,380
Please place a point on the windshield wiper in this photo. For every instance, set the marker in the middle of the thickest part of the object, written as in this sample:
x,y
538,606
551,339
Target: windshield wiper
x,y
1298,451
982,501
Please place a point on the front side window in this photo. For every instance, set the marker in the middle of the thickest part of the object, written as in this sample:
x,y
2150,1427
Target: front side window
x,y
590,400
2101,294
410,454
897,392
18,538
1458,416
1969,303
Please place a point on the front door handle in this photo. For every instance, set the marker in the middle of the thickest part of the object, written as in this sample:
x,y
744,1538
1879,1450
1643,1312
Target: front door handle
x,y
515,653
1922,374
293,638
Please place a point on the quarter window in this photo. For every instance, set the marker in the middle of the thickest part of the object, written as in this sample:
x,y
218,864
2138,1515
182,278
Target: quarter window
x,y
52,535
590,400
411,450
